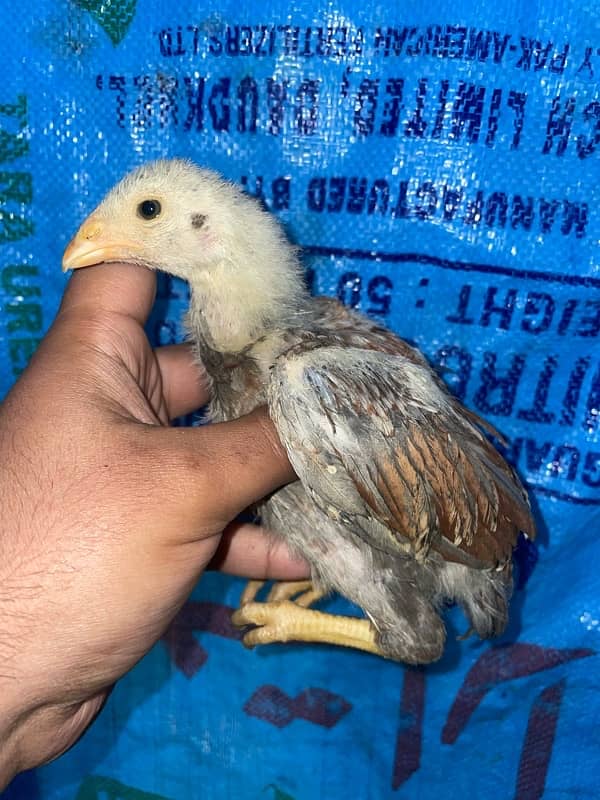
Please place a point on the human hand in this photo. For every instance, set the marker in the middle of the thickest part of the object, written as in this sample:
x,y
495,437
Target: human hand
x,y
108,515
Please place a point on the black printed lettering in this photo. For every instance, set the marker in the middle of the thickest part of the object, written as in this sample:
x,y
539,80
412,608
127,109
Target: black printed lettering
x,y
496,393
394,89
564,463
194,92
537,455
573,391
218,105
537,412
504,309
247,105
379,291
317,194
538,313
586,145
467,111
559,125
460,316
592,406
307,99
416,125
276,98
516,102
591,470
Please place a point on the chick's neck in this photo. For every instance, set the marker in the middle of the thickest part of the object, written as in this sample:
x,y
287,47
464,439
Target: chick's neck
x,y
229,316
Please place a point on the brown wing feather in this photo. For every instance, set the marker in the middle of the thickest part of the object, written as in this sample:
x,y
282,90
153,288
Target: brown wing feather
x,y
422,469
488,498
444,497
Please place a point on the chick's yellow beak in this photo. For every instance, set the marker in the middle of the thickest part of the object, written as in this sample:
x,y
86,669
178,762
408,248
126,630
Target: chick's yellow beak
x,y
94,243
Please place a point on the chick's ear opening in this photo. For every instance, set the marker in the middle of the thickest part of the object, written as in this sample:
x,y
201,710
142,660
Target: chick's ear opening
x,y
198,220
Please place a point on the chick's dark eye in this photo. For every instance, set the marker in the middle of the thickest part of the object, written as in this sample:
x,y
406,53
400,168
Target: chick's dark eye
x,y
149,209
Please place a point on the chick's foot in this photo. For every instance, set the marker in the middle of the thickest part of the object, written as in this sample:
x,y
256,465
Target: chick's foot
x,y
303,593
285,621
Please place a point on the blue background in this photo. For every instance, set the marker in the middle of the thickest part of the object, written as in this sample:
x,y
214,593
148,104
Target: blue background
x,y
506,302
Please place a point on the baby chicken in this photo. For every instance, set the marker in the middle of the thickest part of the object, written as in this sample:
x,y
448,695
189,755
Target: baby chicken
x,y
401,503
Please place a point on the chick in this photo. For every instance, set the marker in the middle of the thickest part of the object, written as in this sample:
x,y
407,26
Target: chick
x,y
401,503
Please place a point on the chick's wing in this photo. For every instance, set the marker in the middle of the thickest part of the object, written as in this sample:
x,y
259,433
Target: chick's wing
x,y
381,447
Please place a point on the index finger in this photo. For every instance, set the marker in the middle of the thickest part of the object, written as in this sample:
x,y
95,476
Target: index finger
x,y
186,385
127,289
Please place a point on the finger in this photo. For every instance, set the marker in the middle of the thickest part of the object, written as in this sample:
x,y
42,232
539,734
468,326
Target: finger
x,y
184,379
253,552
247,462
214,472
127,289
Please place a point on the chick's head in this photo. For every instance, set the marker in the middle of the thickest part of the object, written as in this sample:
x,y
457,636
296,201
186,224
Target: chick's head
x,y
244,275
174,216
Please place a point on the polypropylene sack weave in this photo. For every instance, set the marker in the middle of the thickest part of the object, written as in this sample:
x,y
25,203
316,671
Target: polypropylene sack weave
x,y
438,163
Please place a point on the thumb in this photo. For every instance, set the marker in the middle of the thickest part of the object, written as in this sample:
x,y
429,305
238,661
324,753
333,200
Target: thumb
x,y
218,470
126,289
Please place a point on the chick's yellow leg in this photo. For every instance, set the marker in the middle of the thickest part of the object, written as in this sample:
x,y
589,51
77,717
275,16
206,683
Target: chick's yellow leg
x,y
285,621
